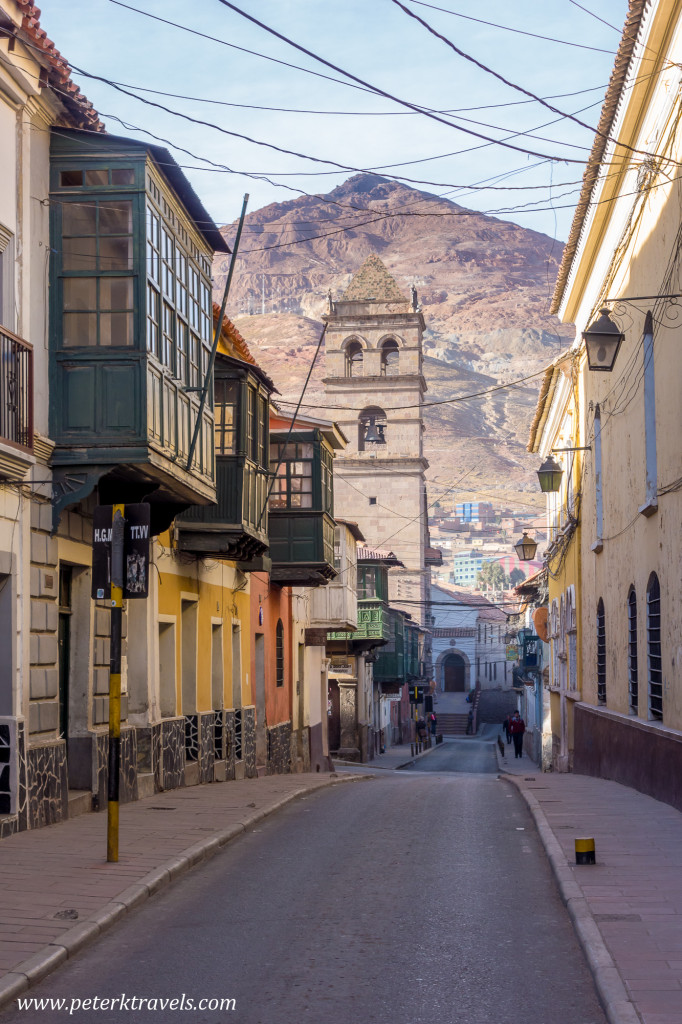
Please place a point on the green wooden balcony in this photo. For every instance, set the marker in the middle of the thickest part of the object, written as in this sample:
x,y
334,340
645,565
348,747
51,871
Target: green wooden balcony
x,y
233,528
373,623
301,547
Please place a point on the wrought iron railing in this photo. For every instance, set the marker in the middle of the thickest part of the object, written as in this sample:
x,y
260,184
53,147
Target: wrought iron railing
x,y
16,390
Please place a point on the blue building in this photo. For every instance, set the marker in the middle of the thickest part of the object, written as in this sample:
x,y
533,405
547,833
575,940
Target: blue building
x,y
473,511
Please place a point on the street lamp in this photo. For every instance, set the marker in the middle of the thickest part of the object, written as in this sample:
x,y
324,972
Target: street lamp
x,y
549,475
602,341
525,548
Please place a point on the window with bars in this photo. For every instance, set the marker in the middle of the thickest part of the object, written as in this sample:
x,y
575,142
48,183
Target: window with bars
x,y
279,653
633,696
653,643
293,485
601,653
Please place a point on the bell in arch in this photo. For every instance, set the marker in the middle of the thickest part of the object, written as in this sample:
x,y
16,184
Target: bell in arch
x,y
374,434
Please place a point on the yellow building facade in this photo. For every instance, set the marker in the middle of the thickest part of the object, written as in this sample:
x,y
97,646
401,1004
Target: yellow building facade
x,y
555,433
624,255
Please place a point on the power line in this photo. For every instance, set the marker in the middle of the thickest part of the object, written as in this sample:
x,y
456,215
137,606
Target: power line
x,y
427,112
512,85
518,31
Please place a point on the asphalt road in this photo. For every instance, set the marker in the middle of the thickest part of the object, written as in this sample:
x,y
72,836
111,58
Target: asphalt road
x,y
469,755
412,897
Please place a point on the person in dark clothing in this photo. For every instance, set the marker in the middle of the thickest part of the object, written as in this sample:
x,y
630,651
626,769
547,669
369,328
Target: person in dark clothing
x,y
517,727
433,723
505,727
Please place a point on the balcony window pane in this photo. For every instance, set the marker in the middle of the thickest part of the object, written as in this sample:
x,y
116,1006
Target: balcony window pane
x,y
116,329
80,293
71,179
181,364
79,218
122,176
167,335
99,177
193,361
115,253
115,292
225,417
116,217
153,306
79,253
80,329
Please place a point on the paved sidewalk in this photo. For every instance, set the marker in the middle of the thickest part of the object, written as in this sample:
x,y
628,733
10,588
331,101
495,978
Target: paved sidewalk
x,y
59,893
627,908
395,757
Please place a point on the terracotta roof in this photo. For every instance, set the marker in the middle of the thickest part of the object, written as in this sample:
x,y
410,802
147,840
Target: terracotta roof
x,y
233,339
59,78
373,281
609,111
366,554
233,345
544,402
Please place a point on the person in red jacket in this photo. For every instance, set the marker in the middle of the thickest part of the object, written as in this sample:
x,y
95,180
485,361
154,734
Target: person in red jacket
x,y
517,727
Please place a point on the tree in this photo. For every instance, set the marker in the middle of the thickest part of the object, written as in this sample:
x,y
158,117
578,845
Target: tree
x,y
516,576
492,576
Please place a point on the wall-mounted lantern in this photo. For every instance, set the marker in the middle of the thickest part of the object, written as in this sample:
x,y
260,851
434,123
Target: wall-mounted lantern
x,y
602,341
525,548
549,475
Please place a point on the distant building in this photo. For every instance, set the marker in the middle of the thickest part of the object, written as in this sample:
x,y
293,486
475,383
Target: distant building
x,y
467,565
474,511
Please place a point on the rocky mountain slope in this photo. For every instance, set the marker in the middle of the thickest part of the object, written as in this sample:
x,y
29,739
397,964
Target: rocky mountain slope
x,y
484,287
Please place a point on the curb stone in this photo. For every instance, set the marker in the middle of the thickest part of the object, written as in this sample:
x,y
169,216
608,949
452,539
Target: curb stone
x,y
40,964
618,1007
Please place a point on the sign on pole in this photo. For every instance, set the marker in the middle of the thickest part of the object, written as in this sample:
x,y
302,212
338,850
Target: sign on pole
x,y
135,551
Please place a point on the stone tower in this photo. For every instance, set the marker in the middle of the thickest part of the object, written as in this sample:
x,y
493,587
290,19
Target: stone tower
x,y
374,379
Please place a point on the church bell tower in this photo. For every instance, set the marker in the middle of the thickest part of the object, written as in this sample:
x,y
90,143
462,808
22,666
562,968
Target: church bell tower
x,y
375,387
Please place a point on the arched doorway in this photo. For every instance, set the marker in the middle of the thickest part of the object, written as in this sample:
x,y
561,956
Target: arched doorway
x,y
454,673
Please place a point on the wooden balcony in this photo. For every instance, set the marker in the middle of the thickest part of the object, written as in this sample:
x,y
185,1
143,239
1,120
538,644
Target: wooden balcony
x,y
16,405
301,547
236,528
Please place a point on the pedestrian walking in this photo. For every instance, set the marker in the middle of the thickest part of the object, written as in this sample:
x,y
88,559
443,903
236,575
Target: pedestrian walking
x,y
517,727
505,726
421,730
433,722
470,722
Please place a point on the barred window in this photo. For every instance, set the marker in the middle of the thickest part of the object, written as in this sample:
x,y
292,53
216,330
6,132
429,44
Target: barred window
x,y
633,698
279,653
601,653
653,643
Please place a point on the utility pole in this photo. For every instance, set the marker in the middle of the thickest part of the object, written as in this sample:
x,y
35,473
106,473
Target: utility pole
x,y
117,530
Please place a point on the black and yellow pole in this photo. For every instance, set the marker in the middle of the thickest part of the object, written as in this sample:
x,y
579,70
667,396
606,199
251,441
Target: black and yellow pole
x,y
115,680
585,851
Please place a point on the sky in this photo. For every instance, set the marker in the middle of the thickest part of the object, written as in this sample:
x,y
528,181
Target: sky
x,y
335,121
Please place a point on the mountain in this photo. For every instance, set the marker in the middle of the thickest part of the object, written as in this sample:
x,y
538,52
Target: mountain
x,y
484,286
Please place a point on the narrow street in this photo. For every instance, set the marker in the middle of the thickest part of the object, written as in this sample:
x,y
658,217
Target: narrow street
x,y
412,897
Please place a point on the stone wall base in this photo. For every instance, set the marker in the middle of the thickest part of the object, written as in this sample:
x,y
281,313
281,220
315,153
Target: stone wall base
x,y
637,754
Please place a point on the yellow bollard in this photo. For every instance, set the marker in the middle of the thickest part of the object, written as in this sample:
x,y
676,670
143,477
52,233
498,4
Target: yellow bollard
x,y
584,851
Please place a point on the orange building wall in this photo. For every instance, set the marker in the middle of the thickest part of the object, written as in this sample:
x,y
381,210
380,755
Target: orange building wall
x,y
272,603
